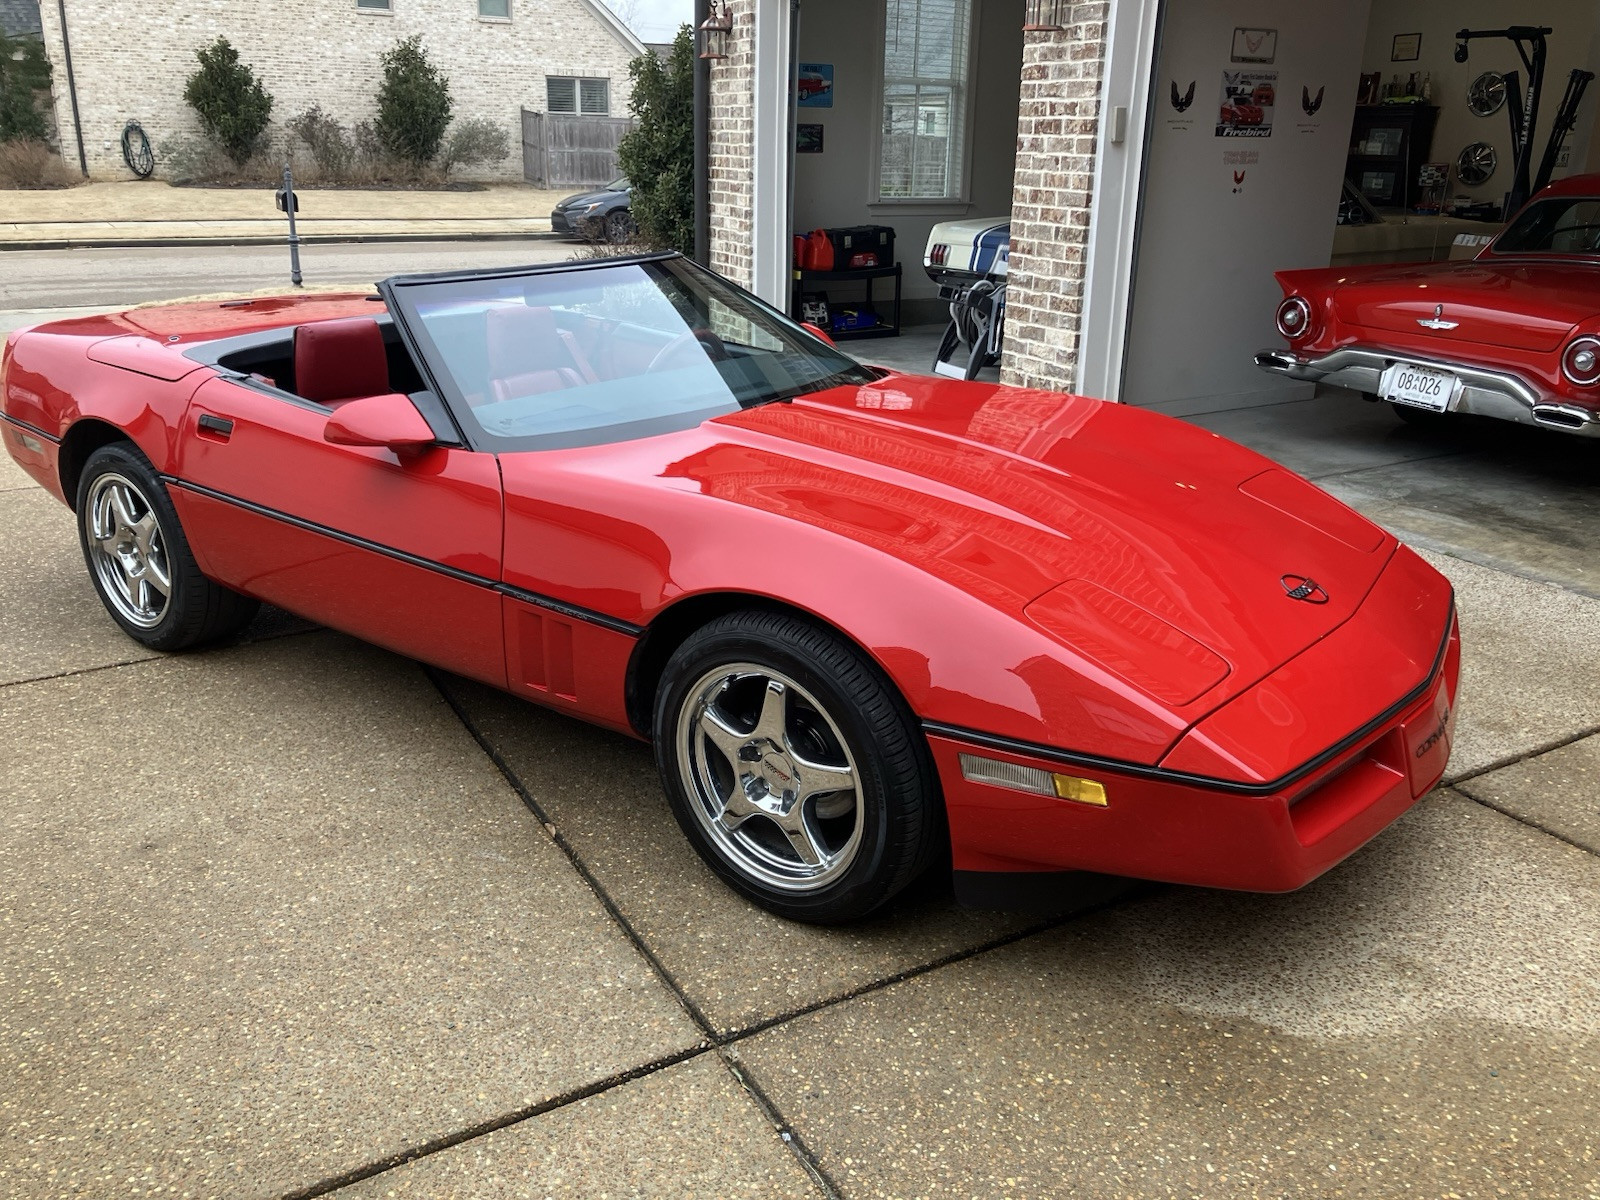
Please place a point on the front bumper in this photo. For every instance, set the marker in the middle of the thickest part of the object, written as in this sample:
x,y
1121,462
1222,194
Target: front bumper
x,y
1175,827
1483,392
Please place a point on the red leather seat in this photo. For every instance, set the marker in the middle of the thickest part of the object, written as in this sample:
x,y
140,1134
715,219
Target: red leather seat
x,y
340,360
529,354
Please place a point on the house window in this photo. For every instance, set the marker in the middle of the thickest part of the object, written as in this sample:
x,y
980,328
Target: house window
x,y
588,97
375,5
925,48
495,10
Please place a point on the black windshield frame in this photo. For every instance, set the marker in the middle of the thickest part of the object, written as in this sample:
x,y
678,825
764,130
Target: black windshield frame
x,y
402,294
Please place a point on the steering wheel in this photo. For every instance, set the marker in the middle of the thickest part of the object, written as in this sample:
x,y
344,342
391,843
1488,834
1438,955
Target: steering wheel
x,y
703,340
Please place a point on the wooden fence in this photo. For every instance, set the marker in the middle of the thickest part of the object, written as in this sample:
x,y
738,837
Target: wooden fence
x,y
566,151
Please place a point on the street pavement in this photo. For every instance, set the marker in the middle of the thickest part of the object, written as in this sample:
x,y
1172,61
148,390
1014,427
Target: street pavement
x,y
151,212
37,284
298,917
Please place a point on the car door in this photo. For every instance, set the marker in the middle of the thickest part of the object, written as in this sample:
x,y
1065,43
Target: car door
x,y
400,548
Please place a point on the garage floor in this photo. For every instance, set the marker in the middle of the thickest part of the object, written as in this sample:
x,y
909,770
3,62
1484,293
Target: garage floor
x,y
296,917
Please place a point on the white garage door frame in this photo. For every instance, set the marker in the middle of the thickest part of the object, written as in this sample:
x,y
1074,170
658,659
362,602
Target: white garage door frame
x,y
1132,32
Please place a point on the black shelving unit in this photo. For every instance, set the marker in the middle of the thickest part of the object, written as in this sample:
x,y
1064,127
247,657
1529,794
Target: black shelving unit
x,y
1389,179
867,276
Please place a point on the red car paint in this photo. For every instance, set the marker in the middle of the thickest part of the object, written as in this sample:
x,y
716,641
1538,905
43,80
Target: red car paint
x,y
1047,580
1505,311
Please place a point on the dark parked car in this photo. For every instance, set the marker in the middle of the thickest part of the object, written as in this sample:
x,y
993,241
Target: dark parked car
x,y
600,215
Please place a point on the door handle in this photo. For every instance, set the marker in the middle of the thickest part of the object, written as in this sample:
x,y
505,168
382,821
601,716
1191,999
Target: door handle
x,y
218,429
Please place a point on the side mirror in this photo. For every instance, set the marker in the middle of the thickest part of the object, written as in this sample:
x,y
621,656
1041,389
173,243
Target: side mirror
x,y
816,331
390,421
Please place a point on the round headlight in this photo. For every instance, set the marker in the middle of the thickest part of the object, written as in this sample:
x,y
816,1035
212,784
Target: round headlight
x,y
1581,362
1294,318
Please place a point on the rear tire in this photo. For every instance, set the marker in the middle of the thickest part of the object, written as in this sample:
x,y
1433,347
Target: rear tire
x,y
139,559
794,768
1419,417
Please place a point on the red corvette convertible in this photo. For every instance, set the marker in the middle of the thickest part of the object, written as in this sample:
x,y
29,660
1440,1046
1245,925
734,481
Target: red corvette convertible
x,y
1513,333
867,619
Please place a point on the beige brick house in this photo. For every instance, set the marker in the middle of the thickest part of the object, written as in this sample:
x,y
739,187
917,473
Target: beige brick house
x,y
1145,224
129,60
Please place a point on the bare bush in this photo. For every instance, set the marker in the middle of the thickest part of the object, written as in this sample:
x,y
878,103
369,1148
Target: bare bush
x,y
198,159
332,147
30,163
473,141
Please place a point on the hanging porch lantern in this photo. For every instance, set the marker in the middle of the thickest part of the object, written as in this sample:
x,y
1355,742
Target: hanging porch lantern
x,y
1044,16
714,31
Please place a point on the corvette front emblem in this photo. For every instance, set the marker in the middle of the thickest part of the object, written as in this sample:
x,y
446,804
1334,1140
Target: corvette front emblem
x,y
1437,321
1300,587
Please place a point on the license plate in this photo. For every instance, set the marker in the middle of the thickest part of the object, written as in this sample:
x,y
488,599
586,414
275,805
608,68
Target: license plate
x,y
1420,387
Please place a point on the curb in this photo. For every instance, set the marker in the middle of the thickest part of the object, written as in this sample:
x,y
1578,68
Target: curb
x,y
315,239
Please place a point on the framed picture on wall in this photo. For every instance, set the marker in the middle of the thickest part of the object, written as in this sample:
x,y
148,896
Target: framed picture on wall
x,y
808,139
1406,47
1254,45
814,85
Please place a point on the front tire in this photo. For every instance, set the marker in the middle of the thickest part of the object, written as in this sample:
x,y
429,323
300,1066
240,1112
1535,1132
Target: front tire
x,y
619,227
794,768
139,559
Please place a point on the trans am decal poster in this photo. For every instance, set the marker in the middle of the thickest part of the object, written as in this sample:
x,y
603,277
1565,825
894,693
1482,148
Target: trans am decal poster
x,y
1248,98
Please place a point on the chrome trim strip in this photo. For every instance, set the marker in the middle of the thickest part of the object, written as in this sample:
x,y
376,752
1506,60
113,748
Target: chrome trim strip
x,y
577,613
1073,758
1482,391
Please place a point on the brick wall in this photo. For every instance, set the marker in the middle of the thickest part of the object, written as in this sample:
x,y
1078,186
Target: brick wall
x,y
731,190
1057,125
131,58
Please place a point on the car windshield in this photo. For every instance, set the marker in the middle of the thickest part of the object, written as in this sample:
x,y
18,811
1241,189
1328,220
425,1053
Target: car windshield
x,y
587,355
618,185
1560,225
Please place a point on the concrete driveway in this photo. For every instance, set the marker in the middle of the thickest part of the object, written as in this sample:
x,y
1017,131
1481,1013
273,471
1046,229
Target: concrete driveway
x,y
297,917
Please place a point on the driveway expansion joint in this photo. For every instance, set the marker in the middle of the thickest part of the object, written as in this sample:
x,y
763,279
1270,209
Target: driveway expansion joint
x,y
724,1044
504,1121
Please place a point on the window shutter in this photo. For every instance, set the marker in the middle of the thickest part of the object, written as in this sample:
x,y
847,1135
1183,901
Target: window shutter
x,y
561,94
595,95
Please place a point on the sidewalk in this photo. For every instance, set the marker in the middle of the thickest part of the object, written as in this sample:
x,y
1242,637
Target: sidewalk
x,y
135,213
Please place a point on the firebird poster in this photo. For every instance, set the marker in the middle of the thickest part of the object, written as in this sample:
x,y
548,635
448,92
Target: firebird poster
x,y
1248,98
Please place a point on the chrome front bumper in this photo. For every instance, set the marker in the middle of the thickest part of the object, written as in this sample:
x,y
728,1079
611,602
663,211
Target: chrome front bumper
x,y
1481,391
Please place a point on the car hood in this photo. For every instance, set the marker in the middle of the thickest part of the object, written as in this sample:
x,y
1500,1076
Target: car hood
x,y
586,198
1521,304
1155,550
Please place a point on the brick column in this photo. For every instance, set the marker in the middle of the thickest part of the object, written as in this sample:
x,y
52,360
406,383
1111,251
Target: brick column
x,y
731,159
1058,124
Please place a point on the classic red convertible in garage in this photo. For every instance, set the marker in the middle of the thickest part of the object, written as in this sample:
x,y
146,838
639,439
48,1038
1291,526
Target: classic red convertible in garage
x,y
1513,333
867,619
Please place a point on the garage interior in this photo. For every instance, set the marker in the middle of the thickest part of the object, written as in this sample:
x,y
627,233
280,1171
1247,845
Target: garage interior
x,y
1219,214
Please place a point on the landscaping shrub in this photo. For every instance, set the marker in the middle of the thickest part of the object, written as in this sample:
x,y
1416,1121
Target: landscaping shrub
x,y
24,72
331,145
198,159
413,104
231,103
473,141
657,154
31,163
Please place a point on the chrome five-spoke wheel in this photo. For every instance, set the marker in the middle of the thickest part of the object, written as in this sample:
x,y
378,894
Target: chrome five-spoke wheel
x,y
770,776
794,767
127,550
140,560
